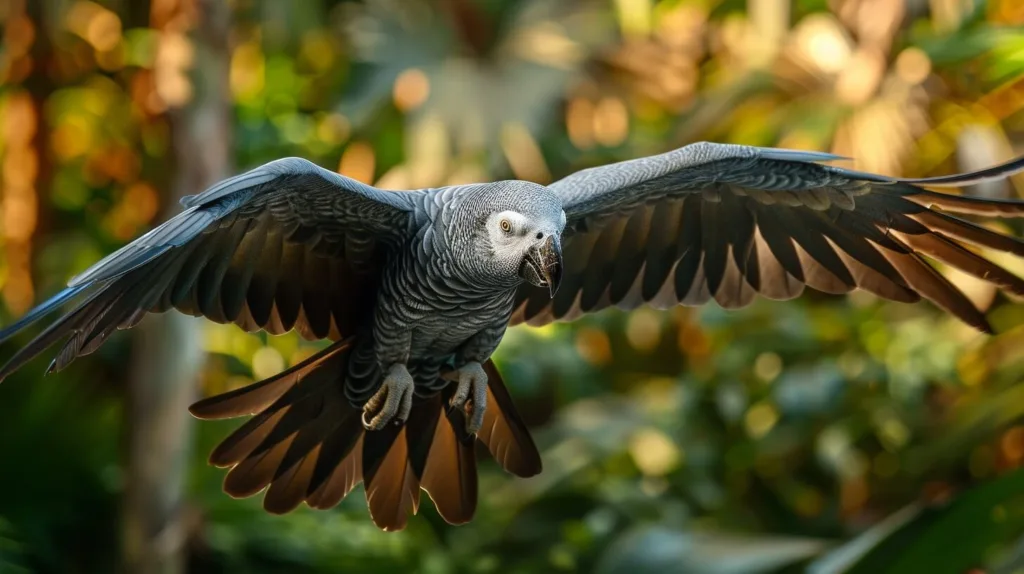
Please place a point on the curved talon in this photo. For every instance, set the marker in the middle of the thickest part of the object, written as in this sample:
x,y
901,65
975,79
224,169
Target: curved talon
x,y
471,394
392,402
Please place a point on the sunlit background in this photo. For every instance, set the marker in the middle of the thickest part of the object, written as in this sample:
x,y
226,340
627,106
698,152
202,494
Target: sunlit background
x,y
827,434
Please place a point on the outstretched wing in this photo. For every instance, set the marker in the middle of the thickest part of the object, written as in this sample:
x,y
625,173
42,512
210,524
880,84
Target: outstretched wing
x,y
285,246
727,222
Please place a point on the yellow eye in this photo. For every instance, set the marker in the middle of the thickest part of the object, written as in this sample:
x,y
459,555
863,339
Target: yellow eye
x,y
506,225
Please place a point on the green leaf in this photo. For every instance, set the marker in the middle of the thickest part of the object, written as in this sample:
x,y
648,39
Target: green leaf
x,y
956,537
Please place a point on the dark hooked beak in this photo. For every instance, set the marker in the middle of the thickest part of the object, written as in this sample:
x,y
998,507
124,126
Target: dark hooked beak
x,y
543,265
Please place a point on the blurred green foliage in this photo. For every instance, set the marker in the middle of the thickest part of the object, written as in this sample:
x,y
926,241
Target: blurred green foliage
x,y
822,434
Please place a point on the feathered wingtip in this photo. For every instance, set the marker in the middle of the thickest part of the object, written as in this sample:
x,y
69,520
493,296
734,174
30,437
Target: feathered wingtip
x,y
956,203
43,340
40,311
995,172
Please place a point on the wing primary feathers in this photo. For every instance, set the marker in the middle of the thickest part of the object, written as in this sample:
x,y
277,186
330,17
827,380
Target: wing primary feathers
x,y
967,205
982,175
816,246
135,292
42,310
73,290
971,233
927,281
856,246
939,247
121,262
55,331
253,474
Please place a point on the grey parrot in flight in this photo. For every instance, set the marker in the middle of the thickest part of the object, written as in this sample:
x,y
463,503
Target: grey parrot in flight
x,y
415,290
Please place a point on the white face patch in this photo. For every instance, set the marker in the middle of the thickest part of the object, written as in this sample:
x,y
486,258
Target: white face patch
x,y
508,223
511,234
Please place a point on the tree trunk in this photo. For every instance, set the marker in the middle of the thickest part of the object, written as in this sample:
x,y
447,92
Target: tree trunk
x,y
168,353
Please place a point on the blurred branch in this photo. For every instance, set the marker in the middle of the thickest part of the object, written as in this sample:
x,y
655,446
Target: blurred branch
x,y
168,356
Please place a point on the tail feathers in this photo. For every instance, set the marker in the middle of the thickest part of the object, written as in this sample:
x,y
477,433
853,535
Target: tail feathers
x,y
341,480
504,432
392,485
449,477
260,396
306,443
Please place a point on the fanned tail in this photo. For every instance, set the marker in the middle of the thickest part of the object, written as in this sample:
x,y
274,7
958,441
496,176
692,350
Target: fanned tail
x,y
306,442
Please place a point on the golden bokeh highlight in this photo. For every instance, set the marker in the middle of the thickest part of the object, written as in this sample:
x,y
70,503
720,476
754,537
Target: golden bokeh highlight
x,y
95,24
611,122
358,162
247,75
768,366
594,346
411,89
643,329
523,154
760,419
19,203
579,122
653,452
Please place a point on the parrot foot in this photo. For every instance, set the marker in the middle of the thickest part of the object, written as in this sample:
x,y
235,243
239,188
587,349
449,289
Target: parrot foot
x,y
392,402
471,394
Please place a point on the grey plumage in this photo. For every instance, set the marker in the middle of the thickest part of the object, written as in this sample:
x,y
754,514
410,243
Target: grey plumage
x,y
417,288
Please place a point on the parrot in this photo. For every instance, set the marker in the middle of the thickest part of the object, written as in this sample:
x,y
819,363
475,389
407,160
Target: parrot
x,y
413,290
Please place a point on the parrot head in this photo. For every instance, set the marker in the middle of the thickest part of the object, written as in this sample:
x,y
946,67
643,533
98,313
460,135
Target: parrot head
x,y
519,235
